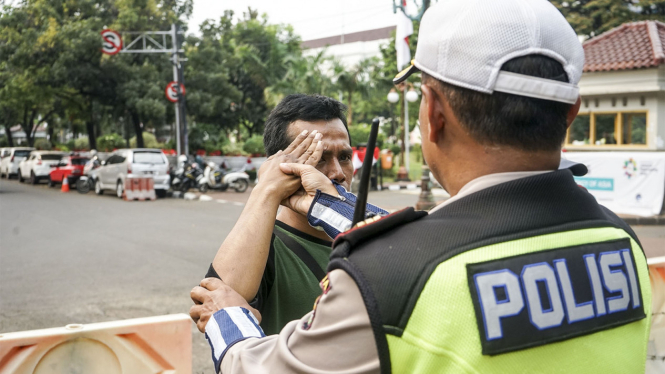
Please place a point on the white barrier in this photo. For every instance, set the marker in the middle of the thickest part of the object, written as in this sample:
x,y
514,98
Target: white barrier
x,y
656,349
139,188
160,344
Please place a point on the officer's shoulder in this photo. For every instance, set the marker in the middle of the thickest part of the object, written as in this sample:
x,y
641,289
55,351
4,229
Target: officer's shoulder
x,y
376,226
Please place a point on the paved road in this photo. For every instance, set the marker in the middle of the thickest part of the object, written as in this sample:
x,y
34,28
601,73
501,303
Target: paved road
x,y
71,258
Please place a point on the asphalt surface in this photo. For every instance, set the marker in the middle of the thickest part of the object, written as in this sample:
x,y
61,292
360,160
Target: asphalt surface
x,y
72,258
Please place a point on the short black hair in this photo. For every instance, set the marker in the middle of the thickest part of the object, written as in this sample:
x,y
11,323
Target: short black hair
x,y
299,107
521,122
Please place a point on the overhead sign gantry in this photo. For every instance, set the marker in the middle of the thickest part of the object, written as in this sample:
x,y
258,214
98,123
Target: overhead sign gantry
x,y
156,42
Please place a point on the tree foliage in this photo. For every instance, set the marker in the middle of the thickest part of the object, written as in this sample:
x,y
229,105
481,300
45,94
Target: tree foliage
x,y
593,17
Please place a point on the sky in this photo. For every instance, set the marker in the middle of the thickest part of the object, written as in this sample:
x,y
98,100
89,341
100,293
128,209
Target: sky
x,y
311,19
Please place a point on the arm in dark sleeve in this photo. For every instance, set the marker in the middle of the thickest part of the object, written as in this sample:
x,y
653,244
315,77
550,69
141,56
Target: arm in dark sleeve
x,y
267,279
334,214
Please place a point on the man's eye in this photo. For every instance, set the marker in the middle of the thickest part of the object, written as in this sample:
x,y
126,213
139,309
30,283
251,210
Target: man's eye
x,y
345,158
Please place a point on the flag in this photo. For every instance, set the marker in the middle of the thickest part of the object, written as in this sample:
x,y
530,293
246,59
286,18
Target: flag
x,y
402,33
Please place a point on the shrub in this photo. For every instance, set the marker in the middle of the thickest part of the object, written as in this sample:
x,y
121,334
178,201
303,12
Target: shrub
x,y
233,149
360,135
43,144
4,142
109,142
254,145
396,149
81,144
149,141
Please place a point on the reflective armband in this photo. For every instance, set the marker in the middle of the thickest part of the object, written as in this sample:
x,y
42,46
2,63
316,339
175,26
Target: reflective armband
x,y
334,214
227,327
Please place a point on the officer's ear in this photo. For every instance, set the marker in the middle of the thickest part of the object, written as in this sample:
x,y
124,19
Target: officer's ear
x,y
433,111
572,112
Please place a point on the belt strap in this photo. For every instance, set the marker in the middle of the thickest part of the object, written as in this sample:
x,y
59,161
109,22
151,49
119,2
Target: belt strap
x,y
302,254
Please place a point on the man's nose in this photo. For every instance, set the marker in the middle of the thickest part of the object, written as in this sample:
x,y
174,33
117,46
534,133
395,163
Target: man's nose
x,y
335,172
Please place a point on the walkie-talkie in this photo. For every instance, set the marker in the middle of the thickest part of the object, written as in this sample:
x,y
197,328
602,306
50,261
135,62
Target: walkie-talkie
x,y
361,201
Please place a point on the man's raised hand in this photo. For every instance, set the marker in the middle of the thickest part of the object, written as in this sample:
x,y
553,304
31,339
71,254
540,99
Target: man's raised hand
x,y
311,180
214,295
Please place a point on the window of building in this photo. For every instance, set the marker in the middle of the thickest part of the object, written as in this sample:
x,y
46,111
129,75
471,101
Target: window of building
x,y
608,129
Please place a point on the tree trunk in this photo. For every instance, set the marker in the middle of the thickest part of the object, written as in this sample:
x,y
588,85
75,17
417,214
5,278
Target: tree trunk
x,y
349,115
28,124
90,126
8,132
138,130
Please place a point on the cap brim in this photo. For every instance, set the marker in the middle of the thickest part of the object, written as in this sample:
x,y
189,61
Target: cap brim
x,y
405,74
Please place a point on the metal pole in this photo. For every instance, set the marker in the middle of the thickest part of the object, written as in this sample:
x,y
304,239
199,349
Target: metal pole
x,y
406,132
181,100
175,79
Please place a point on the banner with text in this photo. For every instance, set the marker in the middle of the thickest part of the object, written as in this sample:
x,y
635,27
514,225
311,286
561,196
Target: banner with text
x,y
625,182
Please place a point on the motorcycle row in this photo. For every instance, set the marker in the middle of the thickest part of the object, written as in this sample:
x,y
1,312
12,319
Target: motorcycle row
x,y
188,174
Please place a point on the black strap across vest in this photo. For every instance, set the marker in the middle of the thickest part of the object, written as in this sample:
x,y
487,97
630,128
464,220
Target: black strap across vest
x,y
302,254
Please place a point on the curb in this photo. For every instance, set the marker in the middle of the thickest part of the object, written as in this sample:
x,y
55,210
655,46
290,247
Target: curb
x,y
397,187
646,221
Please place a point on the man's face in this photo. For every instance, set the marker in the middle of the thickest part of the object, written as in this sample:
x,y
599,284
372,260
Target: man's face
x,y
336,162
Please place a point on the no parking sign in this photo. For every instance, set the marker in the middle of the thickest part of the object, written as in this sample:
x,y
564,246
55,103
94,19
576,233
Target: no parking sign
x,y
111,42
172,92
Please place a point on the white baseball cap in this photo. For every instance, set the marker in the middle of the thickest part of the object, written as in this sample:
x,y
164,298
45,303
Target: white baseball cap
x,y
465,43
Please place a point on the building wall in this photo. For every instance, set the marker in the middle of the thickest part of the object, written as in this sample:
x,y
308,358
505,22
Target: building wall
x,y
626,91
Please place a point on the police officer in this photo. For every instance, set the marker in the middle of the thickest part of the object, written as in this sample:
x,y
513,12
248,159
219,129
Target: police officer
x,y
521,271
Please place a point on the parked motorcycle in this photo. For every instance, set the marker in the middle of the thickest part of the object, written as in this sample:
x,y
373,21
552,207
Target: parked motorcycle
x,y
86,182
186,177
217,178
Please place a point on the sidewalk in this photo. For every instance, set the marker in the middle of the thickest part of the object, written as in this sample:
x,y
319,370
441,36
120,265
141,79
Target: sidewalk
x,y
636,220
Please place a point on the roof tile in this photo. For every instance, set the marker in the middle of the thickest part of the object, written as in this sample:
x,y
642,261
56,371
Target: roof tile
x,y
630,46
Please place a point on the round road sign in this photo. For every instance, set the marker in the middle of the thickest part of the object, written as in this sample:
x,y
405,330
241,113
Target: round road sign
x,y
111,42
172,92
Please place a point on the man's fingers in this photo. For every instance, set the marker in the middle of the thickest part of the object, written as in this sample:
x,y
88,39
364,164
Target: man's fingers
x,y
302,148
296,142
212,284
294,169
315,157
198,294
310,150
201,324
195,313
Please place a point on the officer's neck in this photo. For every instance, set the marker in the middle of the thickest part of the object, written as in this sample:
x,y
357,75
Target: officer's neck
x,y
299,222
461,166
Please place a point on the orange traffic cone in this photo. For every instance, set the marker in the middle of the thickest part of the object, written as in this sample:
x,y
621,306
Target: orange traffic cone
x,y
65,185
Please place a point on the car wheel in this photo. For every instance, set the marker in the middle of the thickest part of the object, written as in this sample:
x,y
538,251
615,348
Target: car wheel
x,y
98,188
241,185
20,176
160,193
51,183
118,190
33,178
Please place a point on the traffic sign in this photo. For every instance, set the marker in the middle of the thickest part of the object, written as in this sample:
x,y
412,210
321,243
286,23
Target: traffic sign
x,y
111,42
172,92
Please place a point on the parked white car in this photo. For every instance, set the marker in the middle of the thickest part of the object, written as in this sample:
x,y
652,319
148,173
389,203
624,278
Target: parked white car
x,y
38,165
140,161
11,157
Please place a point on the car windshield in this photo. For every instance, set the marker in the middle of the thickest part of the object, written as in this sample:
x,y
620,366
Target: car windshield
x,y
148,158
80,160
21,153
51,157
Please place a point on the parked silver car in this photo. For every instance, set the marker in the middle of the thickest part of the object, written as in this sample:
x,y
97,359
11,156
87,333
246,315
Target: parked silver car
x,y
140,161
11,157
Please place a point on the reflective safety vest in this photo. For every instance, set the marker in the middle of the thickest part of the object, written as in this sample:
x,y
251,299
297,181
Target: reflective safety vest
x,y
529,276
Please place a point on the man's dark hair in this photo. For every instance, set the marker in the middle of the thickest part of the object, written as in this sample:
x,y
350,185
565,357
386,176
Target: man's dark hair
x,y
521,122
299,107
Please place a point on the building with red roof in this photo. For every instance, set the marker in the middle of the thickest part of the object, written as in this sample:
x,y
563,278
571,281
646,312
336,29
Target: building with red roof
x,y
623,90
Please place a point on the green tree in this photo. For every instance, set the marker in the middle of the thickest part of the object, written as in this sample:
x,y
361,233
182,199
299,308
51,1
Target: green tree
x,y
593,17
